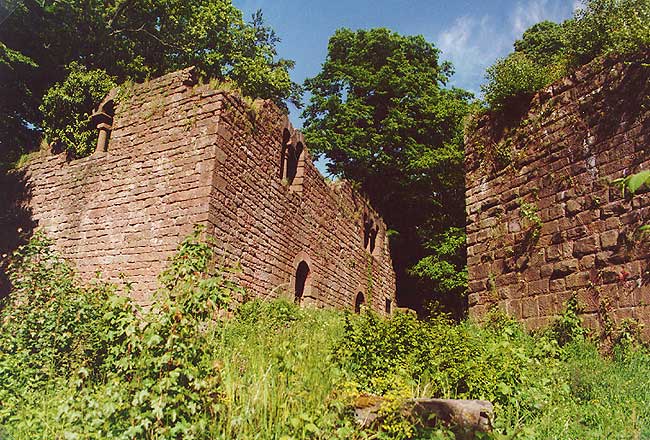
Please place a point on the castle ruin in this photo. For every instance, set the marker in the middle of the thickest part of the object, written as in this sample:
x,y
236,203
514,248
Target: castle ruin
x,y
172,153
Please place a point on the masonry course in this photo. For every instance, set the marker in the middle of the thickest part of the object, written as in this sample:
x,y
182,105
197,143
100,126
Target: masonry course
x,y
545,220
182,153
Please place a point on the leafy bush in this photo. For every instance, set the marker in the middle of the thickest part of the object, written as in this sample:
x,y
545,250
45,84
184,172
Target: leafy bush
x,y
67,106
607,26
568,327
192,280
540,389
462,361
51,327
152,376
512,77
273,315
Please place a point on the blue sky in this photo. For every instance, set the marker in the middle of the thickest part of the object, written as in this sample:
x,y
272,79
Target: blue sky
x,y
472,34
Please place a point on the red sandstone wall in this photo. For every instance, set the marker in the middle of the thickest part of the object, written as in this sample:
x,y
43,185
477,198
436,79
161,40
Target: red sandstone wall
x,y
181,154
559,159
270,226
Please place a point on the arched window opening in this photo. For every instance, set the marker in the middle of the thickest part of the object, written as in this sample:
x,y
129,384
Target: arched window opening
x,y
292,163
302,276
389,305
359,302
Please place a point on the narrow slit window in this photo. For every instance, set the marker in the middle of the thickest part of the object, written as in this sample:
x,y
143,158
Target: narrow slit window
x,y
284,153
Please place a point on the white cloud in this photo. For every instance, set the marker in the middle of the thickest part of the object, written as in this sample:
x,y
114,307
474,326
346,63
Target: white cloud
x,y
473,43
530,12
578,5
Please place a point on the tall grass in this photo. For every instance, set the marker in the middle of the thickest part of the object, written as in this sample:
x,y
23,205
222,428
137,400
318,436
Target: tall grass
x,y
279,380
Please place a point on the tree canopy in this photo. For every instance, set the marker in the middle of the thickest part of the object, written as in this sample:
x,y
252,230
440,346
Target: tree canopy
x,y
128,40
380,112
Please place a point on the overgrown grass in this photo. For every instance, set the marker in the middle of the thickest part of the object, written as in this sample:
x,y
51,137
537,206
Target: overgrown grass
x,y
75,362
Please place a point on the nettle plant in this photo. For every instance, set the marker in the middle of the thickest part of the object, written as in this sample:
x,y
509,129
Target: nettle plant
x,y
529,212
134,373
633,184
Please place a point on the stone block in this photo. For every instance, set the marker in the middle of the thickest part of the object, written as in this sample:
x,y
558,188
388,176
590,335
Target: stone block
x,y
538,287
547,305
565,267
513,308
557,285
573,207
577,280
530,308
609,239
585,246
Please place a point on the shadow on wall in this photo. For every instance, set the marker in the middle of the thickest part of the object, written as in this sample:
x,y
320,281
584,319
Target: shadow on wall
x,y
619,106
16,223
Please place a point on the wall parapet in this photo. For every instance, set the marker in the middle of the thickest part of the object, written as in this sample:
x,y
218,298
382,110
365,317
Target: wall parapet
x,y
544,221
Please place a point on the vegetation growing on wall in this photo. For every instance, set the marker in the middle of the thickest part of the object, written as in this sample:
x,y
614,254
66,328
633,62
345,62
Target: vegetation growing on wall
x,y
636,183
547,51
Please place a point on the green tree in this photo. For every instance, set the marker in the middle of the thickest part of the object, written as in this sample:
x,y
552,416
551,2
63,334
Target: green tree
x,y
66,108
380,113
133,40
17,104
543,42
607,26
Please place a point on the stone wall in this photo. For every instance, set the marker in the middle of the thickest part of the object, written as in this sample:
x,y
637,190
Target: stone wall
x,y
182,153
544,221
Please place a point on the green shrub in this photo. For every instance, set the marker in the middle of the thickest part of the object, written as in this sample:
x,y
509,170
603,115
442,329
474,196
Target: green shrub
x,y
608,26
273,315
67,107
52,327
512,77
461,361
568,326
148,377
192,280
